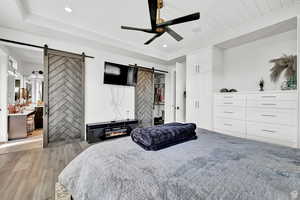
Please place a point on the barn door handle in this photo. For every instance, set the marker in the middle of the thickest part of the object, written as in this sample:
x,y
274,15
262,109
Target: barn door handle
x,y
46,109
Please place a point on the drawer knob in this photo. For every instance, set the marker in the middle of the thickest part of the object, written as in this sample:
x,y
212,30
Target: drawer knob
x,y
269,104
268,96
227,112
228,103
227,124
268,131
268,115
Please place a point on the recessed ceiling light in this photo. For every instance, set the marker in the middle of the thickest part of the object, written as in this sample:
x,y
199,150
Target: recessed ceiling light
x,y
68,9
165,46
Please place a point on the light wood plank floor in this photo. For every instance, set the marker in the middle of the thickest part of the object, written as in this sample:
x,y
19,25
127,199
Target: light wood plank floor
x,y
22,145
34,140
32,174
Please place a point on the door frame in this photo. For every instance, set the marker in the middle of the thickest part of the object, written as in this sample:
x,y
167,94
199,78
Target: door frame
x,y
3,98
46,90
174,96
180,85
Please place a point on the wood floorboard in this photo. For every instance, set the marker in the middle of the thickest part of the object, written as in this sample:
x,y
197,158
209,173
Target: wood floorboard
x,y
32,174
22,144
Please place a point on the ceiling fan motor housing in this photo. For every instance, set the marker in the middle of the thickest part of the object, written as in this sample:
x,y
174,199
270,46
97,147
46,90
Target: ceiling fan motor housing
x,y
159,21
160,4
159,26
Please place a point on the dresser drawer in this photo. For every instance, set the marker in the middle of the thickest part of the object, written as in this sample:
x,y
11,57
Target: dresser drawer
x,y
230,96
230,126
230,112
273,96
285,135
283,117
225,102
272,104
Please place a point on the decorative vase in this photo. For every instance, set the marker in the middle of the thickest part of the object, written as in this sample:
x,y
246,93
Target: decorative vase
x,y
292,82
261,85
261,88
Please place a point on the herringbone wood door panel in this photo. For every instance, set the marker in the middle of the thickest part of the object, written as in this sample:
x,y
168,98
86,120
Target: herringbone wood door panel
x,y
65,98
144,98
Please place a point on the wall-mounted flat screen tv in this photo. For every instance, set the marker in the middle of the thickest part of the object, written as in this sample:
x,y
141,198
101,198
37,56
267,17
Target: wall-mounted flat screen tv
x,y
117,74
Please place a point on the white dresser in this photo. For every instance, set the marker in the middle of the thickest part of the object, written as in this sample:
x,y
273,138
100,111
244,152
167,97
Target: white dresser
x,y
230,114
264,116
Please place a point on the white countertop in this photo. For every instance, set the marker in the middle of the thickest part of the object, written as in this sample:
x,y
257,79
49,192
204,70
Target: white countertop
x,y
24,113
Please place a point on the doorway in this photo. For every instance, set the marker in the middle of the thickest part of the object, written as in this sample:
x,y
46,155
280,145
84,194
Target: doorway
x,y
22,101
180,92
159,98
25,96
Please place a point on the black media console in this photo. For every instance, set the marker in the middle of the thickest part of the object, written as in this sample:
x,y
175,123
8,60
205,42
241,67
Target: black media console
x,y
96,132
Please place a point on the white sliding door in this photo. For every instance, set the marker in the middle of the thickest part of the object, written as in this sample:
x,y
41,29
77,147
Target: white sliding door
x,y
180,92
3,96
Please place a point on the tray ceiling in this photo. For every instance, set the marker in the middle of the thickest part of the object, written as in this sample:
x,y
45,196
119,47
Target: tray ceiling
x,y
101,20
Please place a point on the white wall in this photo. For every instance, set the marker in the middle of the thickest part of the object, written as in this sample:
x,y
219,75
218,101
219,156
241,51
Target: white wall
x,y
245,65
108,102
170,94
218,69
26,68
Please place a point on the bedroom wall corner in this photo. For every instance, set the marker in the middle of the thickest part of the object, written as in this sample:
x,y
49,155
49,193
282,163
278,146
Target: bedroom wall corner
x,y
170,96
298,73
3,94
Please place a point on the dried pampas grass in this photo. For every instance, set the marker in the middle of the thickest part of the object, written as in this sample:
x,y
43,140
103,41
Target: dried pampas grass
x,y
285,63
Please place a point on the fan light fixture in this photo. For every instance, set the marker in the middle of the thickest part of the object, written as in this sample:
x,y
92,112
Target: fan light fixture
x,y
165,46
68,9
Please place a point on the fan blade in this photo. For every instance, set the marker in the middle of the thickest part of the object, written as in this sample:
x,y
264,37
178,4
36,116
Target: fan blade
x,y
153,12
175,35
137,29
180,20
152,39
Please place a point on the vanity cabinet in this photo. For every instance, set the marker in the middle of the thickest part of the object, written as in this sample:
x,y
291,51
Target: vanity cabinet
x,y
18,125
264,116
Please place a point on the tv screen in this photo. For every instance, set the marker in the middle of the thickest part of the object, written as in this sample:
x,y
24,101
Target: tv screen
x,y
117,74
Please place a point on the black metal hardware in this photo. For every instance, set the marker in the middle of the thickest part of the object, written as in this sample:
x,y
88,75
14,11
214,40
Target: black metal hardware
x,y
155,70
39,47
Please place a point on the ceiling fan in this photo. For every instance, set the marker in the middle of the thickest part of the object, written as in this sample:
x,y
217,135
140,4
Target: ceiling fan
x,y
159,26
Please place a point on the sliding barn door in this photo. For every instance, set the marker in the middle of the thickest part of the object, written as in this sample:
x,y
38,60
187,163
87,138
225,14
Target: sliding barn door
x,y
64,97
144,97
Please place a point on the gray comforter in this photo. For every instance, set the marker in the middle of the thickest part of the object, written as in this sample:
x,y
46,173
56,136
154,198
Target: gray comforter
x,y
212,167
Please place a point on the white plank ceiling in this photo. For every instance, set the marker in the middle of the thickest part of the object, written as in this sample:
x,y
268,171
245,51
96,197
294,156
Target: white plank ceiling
x,y
104,17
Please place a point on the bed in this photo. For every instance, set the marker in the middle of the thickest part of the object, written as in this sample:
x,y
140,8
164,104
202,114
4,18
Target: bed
x,y
214,166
